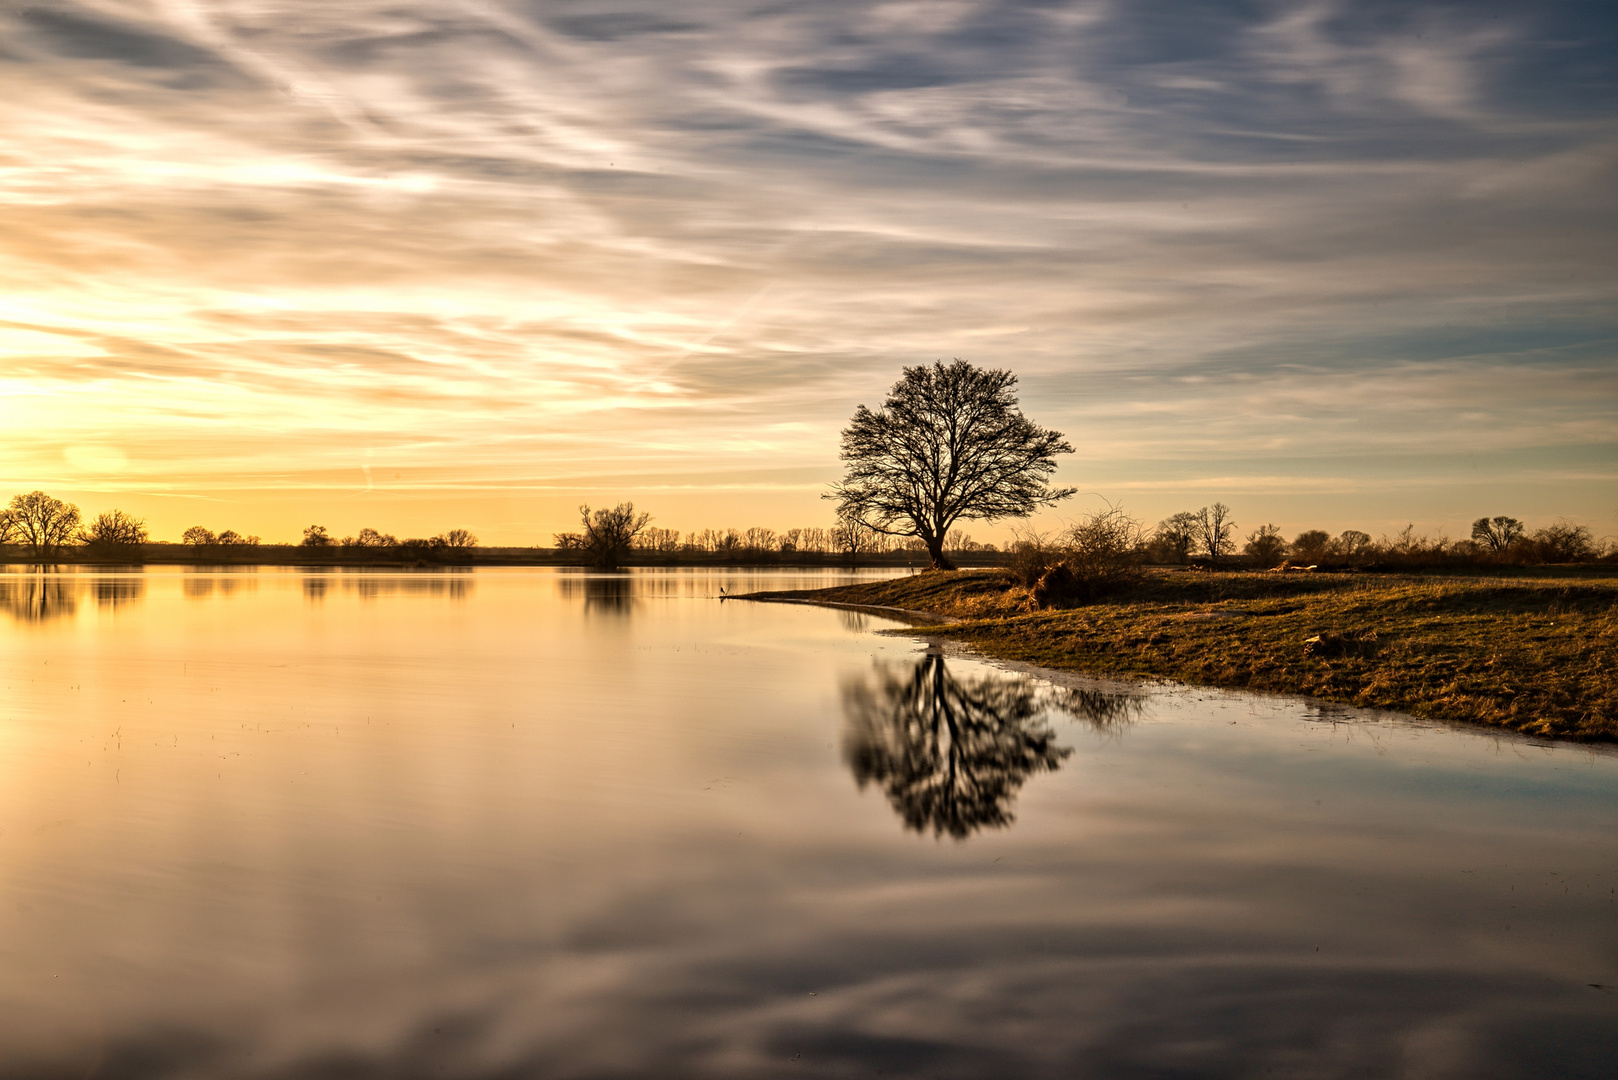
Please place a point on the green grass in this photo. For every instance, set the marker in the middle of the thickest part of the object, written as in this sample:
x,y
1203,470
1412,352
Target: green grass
x,y
1535,652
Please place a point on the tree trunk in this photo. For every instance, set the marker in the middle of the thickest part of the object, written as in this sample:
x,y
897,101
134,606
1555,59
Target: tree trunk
x,y
935,552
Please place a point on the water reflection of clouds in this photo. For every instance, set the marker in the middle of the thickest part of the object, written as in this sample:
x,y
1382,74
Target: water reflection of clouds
x,y
577,899
951,752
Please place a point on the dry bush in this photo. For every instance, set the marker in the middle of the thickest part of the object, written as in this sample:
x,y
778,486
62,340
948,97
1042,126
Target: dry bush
x,y
1032,556
1099,556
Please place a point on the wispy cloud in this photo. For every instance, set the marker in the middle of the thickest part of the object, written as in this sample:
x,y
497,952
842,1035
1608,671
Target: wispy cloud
x,y
243,241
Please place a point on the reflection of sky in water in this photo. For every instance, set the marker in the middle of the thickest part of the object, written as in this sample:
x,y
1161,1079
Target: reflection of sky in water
x,y
408,831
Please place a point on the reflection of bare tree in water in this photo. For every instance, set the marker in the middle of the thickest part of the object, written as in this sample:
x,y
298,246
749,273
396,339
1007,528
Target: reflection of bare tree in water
x,y
952,753
602,594
116,592
855,622
37,597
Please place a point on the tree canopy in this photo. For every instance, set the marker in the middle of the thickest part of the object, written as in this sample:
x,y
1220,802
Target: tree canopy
x,y
44,523
949,443
608,535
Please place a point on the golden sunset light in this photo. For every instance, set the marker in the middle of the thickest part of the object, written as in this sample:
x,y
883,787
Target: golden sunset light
x,y
475,264
731,540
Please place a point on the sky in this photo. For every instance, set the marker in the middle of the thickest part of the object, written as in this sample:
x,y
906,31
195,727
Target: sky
x,y
472,263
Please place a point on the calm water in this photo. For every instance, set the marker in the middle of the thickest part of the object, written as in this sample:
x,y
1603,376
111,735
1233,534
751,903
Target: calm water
x,y
538,824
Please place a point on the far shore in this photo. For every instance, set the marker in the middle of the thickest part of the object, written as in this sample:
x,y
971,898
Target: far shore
x,y
1527,649
444,558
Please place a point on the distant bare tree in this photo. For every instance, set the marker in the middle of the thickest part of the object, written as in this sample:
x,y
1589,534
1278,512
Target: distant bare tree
x,y
949,444
197,536
1352,543
44,523
115,532
1311,546
853,538
316,536
458,538
370,538
1563,542
1497,533
232,538
1214,529
608,536
760,541
1176,536
1265,545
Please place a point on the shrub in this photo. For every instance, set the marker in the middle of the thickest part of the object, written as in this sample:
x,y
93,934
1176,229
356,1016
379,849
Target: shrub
x,y
1562,542
1098,556
1031,556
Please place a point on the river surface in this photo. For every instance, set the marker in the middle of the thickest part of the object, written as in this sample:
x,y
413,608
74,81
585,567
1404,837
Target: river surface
x,y
536,823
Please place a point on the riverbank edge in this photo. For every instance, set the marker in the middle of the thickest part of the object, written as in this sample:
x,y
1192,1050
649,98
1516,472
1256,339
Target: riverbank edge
x,y
991,639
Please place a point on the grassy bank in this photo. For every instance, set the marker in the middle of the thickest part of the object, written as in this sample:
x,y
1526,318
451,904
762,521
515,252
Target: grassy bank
x,y
1536,652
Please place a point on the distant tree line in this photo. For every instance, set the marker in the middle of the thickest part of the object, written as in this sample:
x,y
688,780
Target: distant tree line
x,y
607,537
1100,544
456,544
1208,536
1103,543
1108,550
46,526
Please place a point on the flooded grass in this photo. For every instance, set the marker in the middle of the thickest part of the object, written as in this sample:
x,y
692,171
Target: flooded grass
x,y
1531,653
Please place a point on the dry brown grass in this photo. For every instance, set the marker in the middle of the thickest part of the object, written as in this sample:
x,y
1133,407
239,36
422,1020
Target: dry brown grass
x,y
1537,652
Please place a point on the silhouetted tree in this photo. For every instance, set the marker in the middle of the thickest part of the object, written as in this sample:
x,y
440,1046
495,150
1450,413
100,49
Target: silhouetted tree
x,y
1176,536
316,536
115,532
197,536
1265,545
661,541
1563,542
44,523
948,444
1213,531
1497,533
949,753
1312,545
458,538
1352,543
853,538
608,535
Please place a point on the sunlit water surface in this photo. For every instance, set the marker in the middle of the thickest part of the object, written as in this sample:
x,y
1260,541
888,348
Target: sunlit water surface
x,y
529,823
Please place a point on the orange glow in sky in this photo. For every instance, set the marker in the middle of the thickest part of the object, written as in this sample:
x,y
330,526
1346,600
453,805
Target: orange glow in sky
x,y
418,266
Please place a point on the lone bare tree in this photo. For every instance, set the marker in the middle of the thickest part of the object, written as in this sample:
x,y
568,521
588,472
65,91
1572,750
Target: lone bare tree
x,y
608,535
1498,533
1177,535
1213,530
115,532
948,444
43,523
